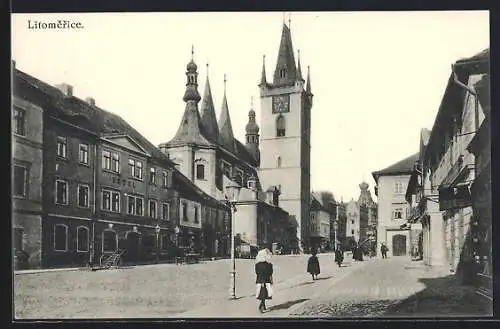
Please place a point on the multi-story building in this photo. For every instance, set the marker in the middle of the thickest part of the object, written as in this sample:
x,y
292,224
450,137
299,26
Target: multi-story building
x,y
391,186
106,188
447,169
320,221
26,188
353,222
481,229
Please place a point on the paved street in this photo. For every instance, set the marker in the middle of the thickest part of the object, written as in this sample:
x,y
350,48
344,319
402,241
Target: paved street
x,y
142,291
359,289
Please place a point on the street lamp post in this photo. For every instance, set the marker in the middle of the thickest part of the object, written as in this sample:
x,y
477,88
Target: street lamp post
x,y
233,192
157,230
335,227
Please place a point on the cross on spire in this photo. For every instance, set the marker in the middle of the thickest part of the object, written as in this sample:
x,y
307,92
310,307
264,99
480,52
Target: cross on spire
x,y
251,102
225,80
192,52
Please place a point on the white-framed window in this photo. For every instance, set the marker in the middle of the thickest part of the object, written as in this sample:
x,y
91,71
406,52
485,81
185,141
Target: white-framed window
x,y
184,211
82,239
398,188
61,195
106,160
397,213
196,214
152,208
135,205
251,183
109,241
110,200
82,195
20,181
165,211
152,176
60,237
135,168
115,162
83,154
200,171
62,145
165,179
19,121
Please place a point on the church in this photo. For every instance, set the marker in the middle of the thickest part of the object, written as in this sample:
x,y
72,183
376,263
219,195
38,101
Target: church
x,y
272,166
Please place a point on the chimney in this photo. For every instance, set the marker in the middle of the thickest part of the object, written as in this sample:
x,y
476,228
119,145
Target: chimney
x,y
66,89
90,101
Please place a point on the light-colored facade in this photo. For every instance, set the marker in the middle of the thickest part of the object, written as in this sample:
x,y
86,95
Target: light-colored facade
x,y
285,134
352,224
393,209
27,164
319,223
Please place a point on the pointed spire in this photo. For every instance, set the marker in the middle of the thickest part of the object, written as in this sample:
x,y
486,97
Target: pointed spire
x,y
286,71
207,113
189,130
252,134
263,79
308,85
226,136
299,69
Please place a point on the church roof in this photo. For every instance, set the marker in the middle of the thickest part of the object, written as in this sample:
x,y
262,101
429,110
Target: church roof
x,y
226,135
286,60
404,166
207,114
189,131
100,121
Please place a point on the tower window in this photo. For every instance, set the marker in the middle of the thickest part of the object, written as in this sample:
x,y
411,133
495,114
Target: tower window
x,y
283,73
200,171
279,162
280,126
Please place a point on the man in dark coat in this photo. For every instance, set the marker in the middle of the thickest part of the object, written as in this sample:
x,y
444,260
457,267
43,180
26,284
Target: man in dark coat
x,y
339,256
313,265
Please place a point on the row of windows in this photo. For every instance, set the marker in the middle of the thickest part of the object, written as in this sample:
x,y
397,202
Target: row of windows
x,y
110,200
109,239
110,161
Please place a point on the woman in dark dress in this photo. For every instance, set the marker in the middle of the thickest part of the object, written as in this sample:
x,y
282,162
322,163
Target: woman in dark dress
x,y
313,265
264,280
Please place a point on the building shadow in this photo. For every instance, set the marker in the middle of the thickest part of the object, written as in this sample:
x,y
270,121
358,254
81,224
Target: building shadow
x,y
324,278
302,284
442,297
287,305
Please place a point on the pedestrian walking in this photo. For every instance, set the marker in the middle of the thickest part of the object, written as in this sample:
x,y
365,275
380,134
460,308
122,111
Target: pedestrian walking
x,y
383,250
264,280
313,265
339,256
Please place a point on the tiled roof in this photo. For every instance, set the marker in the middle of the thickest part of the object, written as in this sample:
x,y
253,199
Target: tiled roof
x,y
404,166
479,56
286,59
207,114
52,100
226,135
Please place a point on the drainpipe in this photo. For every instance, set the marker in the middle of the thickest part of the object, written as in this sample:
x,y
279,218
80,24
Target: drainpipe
x,y
92,241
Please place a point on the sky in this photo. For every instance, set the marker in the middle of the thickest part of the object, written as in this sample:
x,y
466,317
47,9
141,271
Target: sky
x,y
377,77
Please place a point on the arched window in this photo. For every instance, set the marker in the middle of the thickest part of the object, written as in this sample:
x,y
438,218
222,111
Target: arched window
x,y
200,171
60,237
279,162
282,73
82,239
109,241
280,126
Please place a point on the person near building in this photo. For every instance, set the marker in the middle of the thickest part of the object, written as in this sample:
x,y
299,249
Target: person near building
x,y
264,280
313,265
339,256
383,250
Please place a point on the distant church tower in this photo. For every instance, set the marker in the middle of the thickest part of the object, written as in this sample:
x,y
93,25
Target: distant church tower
x,y
285,133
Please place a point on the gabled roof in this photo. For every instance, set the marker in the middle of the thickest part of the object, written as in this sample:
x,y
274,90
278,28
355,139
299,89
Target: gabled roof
x,y
100,121
404,166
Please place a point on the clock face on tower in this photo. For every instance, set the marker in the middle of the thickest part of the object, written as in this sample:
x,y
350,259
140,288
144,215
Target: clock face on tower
x,y
281,103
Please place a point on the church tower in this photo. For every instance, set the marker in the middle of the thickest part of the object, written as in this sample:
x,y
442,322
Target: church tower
x,y
285,146
252,134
